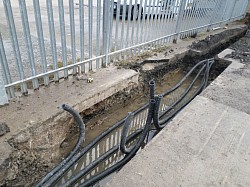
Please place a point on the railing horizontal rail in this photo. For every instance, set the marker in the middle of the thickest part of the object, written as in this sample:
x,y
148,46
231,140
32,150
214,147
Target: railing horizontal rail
x,y
59,36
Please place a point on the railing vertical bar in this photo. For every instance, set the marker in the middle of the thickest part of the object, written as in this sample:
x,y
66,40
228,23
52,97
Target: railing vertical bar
x,y
139,26
156,23
225,7
15,45
179,19
3,91
106,27
52,37
5,67
72,33
28,42
200,19
149,14
98,27
128,24
163,19
233,10
160,15
203,14
135,8
153,20
207,12
215,10
185,23
147,21
63,36
90,21
116,26
111,48
142,34
39,29
81,20
244,9
195,15
168,17
123,24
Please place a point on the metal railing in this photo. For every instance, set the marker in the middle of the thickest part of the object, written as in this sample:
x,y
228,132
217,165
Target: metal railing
x,y
43,41
117,145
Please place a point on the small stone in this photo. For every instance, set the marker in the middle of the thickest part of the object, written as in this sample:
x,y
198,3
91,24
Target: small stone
x,y
64,144
90,80
4,129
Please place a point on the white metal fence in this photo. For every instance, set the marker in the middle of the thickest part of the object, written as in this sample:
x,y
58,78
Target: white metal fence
x,y
43,41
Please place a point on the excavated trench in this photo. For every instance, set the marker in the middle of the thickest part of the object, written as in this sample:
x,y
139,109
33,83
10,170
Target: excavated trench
x,y
113,109
131,100
166,74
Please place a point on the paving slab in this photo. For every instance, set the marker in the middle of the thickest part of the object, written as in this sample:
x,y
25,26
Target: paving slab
x,y
232,87
207,144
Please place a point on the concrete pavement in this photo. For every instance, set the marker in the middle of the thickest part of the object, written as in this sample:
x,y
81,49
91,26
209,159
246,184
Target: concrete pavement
x,y
206,144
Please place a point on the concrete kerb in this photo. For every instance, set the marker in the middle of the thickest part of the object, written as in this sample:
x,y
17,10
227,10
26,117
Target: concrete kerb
x,y
40,130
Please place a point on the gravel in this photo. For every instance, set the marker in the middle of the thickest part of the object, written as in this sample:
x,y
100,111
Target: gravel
x,y
241,49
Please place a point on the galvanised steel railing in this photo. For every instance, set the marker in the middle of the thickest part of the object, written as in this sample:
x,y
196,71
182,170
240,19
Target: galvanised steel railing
x,y
117,145
43,41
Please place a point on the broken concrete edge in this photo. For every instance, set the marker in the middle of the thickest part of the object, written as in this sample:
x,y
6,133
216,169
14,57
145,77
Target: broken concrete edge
x,y
45,134
43,139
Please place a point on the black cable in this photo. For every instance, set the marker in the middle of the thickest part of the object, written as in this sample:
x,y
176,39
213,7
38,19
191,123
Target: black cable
x,y
81,137
78,155
153,114
129,156
124,133
102,158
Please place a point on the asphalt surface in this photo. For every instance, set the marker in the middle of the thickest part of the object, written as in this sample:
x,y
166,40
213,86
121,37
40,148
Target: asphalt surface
x,y
129,33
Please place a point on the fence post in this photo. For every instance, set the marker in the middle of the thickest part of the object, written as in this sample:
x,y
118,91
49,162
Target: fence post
x,y
3,95
180,14
106,8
